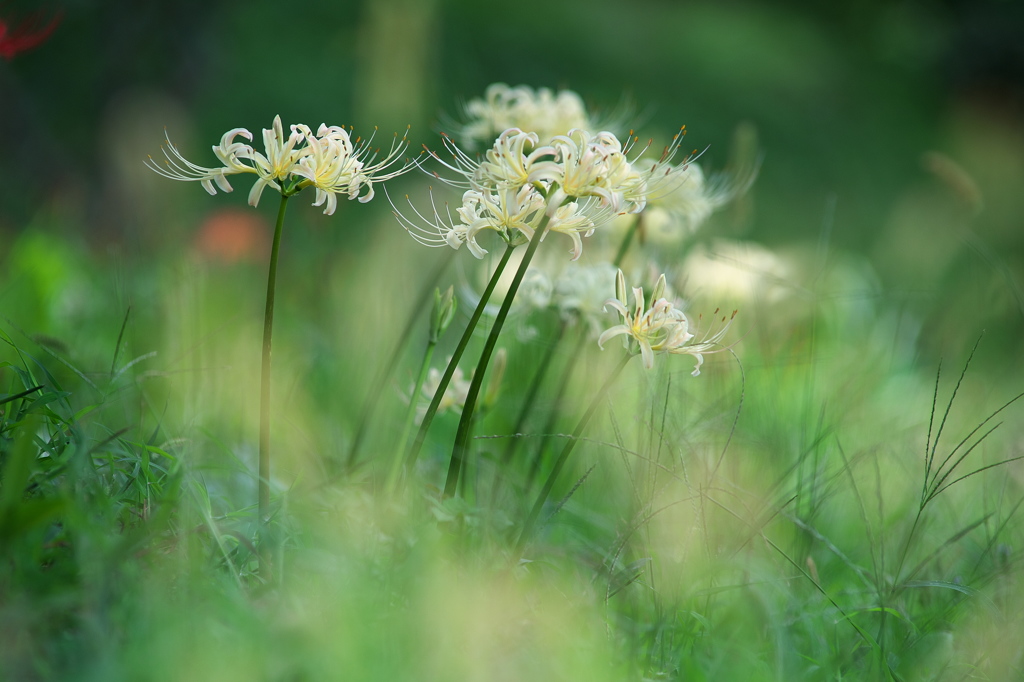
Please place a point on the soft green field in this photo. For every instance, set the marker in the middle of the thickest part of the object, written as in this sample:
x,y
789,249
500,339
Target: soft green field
x,y
804,509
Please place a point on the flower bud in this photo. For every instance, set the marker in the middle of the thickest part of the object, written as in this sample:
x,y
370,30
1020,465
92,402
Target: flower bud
x,y
443,312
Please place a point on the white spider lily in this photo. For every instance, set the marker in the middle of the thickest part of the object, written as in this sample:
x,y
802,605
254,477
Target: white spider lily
x,y
582,179
588,165
517,183
506,164
513,214
655,328
575,219
280,161
662,327
685,198
229,152
330,161
337,164
506,211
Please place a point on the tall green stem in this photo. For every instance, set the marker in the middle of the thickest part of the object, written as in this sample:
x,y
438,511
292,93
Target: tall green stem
x,y
410,417
531,520
570,366
528,402
449,371
263,502
465,423
553,413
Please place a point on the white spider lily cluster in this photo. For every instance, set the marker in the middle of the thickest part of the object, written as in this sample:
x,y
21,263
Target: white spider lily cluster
x,y
572,185
541,111
330,161
661,328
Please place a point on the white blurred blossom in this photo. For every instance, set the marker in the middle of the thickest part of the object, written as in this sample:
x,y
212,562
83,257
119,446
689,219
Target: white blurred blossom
x,y
727,270
542,111
454,397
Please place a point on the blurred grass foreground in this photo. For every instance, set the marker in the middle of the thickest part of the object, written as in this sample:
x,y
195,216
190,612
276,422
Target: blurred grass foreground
x,y
546,448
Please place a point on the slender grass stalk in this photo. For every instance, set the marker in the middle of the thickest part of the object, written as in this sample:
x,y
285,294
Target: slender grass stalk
x,y
531,520
465,423
549,425
449,371
531,393
410,417
377,387
574,358
263,502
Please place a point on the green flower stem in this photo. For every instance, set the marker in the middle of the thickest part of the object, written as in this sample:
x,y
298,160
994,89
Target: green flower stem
x,y
549,425
456,356
531,393
263,501
465,423
569,445
627,240
377,388
410,417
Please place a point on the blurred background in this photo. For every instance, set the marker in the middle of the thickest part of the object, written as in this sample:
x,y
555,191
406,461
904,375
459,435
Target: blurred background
x,y
883,234
892,132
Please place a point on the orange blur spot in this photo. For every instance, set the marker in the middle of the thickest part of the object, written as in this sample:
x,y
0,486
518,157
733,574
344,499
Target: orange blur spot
x,y
233,235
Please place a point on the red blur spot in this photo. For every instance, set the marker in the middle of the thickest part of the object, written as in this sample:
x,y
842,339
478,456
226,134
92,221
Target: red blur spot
x,y
25,35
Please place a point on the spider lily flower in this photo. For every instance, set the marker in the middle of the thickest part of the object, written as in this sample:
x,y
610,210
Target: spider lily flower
x,y
329,161
660,328
506,164
508,212
591,165
654,329
513,214
517,184
688,197
24,36
710,341
582,180
576,220
336,164
281,159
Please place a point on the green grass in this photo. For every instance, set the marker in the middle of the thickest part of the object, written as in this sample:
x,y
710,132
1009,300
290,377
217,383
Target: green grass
x,y
787,515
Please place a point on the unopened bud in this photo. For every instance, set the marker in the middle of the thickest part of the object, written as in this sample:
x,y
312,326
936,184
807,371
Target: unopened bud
x,y
443,312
